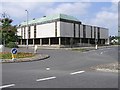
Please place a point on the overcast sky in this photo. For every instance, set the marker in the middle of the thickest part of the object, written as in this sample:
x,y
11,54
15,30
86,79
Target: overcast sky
x,y
104,14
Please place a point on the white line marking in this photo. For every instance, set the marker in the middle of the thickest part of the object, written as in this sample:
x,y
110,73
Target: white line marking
x,y
43,79
101,53
47,68
77,72
5,86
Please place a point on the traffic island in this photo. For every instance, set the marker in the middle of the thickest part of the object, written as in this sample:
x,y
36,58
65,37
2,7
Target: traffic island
x,y
22,57
111,67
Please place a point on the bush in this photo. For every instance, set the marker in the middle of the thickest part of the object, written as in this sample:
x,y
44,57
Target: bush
x,y
12,45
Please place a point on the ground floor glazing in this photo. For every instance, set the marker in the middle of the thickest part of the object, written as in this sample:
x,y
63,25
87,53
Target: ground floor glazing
x,y
62,41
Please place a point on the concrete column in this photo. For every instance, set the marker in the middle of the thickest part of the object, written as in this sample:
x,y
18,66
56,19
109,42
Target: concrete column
x,y
40,41
33,41
80,40
21,42
59,41
102,42
88,41
106,41
49,42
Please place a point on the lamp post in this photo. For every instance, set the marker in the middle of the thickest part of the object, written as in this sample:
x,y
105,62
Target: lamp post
x,y
27,28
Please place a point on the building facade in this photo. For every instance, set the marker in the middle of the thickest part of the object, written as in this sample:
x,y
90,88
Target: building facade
x,y
60,30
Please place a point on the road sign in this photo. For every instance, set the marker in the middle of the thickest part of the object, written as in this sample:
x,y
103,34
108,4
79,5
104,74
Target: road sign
x,y
14,51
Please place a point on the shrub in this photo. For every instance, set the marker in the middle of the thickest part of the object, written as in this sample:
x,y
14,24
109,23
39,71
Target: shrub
x,y
12,45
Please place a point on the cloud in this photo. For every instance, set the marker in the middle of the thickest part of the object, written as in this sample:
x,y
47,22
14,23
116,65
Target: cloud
x,y
27,0
69,8
60,0
17,10
107,17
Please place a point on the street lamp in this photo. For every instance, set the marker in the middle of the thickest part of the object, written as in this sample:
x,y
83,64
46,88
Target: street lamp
x,y
27,28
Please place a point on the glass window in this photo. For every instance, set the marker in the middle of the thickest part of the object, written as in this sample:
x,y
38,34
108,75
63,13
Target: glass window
x,y
24,32
21,31
84,31
29,32
94,32
34,31
74,29
98,32
91,32
79,30
55,29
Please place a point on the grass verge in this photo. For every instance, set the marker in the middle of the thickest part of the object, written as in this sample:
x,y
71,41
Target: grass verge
x,y
7,55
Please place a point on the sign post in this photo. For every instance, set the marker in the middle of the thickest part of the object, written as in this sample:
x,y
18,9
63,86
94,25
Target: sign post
x,y
14,53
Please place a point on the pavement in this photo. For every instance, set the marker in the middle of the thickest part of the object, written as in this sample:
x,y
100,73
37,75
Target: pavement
x,y
64,69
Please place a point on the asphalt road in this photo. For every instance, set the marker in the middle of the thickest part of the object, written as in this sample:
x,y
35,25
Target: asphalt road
x,y
64,69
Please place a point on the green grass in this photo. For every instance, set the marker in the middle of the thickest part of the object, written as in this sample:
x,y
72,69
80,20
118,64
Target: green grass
x,y
7,55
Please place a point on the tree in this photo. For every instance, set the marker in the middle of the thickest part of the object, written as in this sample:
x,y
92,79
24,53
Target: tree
x,y
114,40
7,31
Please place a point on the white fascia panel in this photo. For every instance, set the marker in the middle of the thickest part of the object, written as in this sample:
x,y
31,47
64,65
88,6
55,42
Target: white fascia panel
x,y
93,32
96,32
32,32
26,33
88,31
76,29
58,29
19,31
45,30
81,31
66,29
104,33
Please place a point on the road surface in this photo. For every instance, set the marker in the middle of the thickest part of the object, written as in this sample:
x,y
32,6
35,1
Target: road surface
x,y
64,69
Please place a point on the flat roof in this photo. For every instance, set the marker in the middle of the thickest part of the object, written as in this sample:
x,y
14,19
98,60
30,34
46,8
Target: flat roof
x,y
50,18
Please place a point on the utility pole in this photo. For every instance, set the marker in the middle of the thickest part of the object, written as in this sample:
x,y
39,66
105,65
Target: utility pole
x,y
27,28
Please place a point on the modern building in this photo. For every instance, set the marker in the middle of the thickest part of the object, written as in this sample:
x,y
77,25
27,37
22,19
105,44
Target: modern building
x,y
60,30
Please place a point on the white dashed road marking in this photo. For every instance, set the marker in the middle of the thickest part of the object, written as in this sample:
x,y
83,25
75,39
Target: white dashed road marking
x,y
78,72
43,79
47,68
6,86
101,53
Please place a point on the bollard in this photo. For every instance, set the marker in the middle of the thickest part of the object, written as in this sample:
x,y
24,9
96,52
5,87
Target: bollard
x,y
96,46
14,57
35,49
